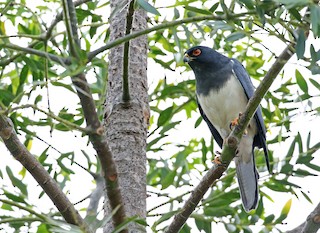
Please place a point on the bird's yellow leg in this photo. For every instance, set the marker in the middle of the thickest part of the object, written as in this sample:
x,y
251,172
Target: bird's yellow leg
x,y
236,122
217,159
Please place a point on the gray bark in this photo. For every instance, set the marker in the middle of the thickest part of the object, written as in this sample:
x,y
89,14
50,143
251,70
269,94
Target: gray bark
x,y
126,124
312,223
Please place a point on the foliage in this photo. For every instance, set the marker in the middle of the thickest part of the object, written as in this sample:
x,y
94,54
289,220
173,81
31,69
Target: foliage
x,y
247,30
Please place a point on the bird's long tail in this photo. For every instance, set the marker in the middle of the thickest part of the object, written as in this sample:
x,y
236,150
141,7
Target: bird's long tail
x,y
248,176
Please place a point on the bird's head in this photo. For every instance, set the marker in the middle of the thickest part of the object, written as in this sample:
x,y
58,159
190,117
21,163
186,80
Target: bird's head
x,y
204,59
198,54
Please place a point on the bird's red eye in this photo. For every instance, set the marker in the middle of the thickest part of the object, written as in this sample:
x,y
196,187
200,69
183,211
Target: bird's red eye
x,y
196,52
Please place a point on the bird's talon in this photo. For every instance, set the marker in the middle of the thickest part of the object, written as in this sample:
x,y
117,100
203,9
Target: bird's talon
x,y
235,121
217,160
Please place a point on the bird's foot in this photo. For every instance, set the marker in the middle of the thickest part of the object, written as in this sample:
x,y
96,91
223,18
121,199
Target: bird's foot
x,y
235,122
217,160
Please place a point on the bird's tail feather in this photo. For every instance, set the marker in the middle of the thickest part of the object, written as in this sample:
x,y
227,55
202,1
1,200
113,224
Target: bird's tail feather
x,y
247,176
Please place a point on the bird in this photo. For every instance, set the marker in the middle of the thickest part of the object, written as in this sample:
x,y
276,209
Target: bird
x,y
223,89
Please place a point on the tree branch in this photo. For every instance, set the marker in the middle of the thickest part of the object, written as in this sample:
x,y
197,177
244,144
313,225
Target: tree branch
x,y
98,139
40,174
46,36
228,150
95,197
125,70
49,114
162,26
61,60
312,223
30,210
59,17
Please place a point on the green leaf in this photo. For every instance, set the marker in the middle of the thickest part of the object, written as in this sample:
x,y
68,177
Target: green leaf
x,y
295,13
197,10
315,56
301,82
269,219
24,74
315,18
199,120
286,169
214,7
43,156
249,4
306,197
202,224
235,36
293,3
176,13
301,44
164,217
315,83
165,116
218,211
285,211
14,197
313,166
147,7
17,182
303,173
168,177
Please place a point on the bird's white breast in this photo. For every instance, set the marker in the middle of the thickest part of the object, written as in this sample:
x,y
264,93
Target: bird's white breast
x,y
224,105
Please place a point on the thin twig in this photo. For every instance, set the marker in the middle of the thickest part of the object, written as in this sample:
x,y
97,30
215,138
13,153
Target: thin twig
x,y
162,26
61,60
51,115
31,211
39,173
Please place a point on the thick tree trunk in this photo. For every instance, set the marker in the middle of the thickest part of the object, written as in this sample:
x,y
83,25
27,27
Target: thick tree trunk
x,y
126,125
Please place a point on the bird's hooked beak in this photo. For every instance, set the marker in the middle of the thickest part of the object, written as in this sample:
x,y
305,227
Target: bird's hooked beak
x,y
187,58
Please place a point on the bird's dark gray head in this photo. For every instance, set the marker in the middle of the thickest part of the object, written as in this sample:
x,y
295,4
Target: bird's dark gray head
x,y
211,68
205,56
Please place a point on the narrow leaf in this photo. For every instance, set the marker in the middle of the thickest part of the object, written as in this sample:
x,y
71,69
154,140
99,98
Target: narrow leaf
x,y
147,7
285,211
17,182
315,83
301,82
235,36
301,44
197,10
165,116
